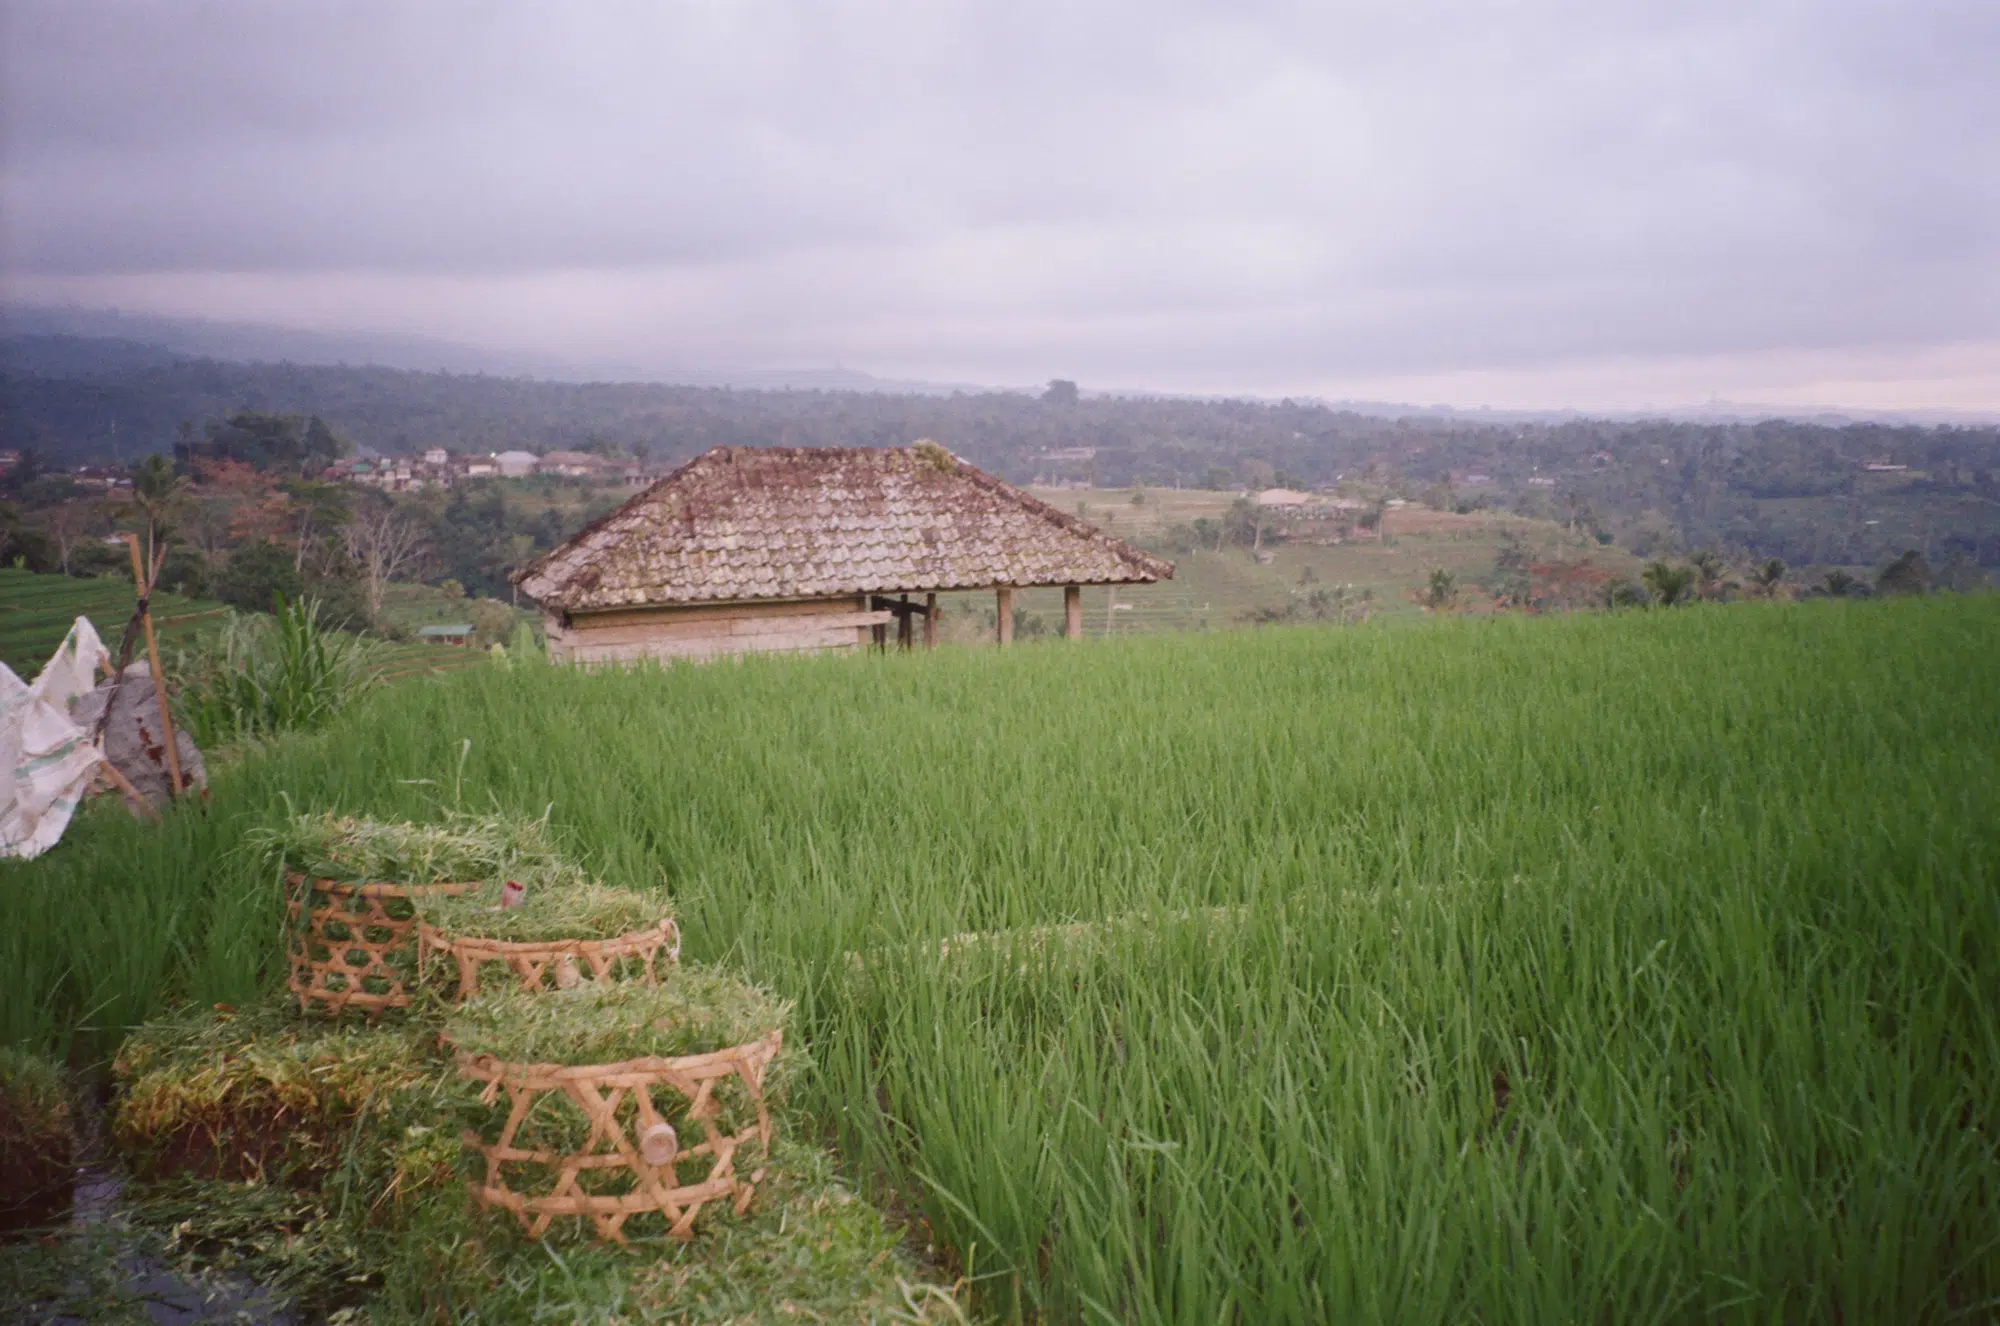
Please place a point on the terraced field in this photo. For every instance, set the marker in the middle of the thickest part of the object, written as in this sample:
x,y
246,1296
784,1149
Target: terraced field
x,y
1218,590
36,612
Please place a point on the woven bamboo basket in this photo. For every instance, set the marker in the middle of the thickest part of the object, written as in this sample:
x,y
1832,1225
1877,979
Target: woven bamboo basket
x,y
348,945
560,962
633,1161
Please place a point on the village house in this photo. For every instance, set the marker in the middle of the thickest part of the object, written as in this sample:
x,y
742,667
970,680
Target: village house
x,y
515,464
109,478
747,550
1066,467
570,464
450,633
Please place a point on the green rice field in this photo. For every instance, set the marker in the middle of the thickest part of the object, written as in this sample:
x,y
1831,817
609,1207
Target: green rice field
x,y
1640,967
36,612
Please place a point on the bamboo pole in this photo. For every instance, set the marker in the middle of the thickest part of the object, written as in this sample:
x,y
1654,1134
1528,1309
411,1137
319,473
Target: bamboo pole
x,y
138,805
144,586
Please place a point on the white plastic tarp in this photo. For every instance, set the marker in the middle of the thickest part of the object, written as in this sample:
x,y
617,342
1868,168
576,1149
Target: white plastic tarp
x,y
49,760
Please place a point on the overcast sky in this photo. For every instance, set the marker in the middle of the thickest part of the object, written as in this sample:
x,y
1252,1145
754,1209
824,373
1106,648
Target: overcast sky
x,y
1509,202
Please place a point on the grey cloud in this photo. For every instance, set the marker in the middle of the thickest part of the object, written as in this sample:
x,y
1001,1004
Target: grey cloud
x,y
1380,185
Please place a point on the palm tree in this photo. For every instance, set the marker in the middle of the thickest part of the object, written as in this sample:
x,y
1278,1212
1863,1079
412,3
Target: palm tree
x,y
1671,585
1769,578
1708,568
158,496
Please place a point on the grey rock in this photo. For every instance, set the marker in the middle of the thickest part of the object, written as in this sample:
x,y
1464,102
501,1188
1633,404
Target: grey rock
x,y
133,736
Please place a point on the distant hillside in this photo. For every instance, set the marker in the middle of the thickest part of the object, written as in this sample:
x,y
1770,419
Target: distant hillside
x,y
24,329
1799,491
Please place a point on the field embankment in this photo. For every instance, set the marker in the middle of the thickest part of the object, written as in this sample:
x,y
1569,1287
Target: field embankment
x,y
1630,968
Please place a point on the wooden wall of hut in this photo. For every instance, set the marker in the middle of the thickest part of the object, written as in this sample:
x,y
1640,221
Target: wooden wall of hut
x,y
711,630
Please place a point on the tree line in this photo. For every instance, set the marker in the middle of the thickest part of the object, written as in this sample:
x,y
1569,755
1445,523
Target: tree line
x,y
1796,490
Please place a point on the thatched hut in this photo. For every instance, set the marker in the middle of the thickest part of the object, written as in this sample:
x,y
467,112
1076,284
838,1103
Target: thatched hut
x,y
758,549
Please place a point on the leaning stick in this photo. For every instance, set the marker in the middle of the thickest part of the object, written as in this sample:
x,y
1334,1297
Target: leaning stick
x,y
144,586
140,807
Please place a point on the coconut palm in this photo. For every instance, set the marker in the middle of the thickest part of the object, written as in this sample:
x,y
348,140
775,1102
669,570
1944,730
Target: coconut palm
x,y
1708,568
1769,578
1671,585
158,498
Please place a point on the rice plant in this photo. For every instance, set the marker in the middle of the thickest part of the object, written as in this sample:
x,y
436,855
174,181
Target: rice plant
x,y
268,674
1625,968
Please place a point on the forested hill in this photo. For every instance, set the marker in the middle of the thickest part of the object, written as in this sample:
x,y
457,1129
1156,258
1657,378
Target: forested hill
x,y
1796,490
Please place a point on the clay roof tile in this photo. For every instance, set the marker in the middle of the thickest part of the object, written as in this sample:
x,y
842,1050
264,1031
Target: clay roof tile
x,y
791,522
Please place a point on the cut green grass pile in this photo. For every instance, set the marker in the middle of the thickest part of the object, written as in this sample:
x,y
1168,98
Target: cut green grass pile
x,y
1620,968
581,911
261,1092
459,848
37,1140
693,1009
323,1161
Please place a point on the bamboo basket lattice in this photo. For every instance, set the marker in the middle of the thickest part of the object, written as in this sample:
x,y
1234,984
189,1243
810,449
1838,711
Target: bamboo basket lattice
x,y
632,1156
347,943
557,960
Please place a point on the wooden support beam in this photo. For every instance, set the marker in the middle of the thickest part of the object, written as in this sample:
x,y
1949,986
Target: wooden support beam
x,y
1073,612
1110,610
903,620
902,607
1003,601
930,621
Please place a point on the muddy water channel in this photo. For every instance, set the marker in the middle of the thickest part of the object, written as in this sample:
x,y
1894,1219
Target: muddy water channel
x,y
88,1260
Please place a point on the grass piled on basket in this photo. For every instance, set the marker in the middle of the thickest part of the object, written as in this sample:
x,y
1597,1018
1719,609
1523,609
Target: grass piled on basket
x,y
693,1009
456,848
323,1159
582,911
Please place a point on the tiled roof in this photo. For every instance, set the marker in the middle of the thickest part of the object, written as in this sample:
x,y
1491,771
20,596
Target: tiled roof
x,y
794,522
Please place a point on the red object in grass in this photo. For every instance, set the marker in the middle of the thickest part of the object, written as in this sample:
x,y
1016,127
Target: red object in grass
x,y
512,893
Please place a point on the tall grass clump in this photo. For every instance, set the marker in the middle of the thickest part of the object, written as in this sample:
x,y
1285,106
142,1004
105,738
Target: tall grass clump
x,y
1636,967
261,675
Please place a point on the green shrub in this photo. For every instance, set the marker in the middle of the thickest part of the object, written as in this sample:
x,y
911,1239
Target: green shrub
x,y
265,675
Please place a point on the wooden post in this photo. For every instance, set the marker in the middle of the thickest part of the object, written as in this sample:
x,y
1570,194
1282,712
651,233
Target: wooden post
x,y
144,588
1003,599
1110,609
930,621
1073,612
903,627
